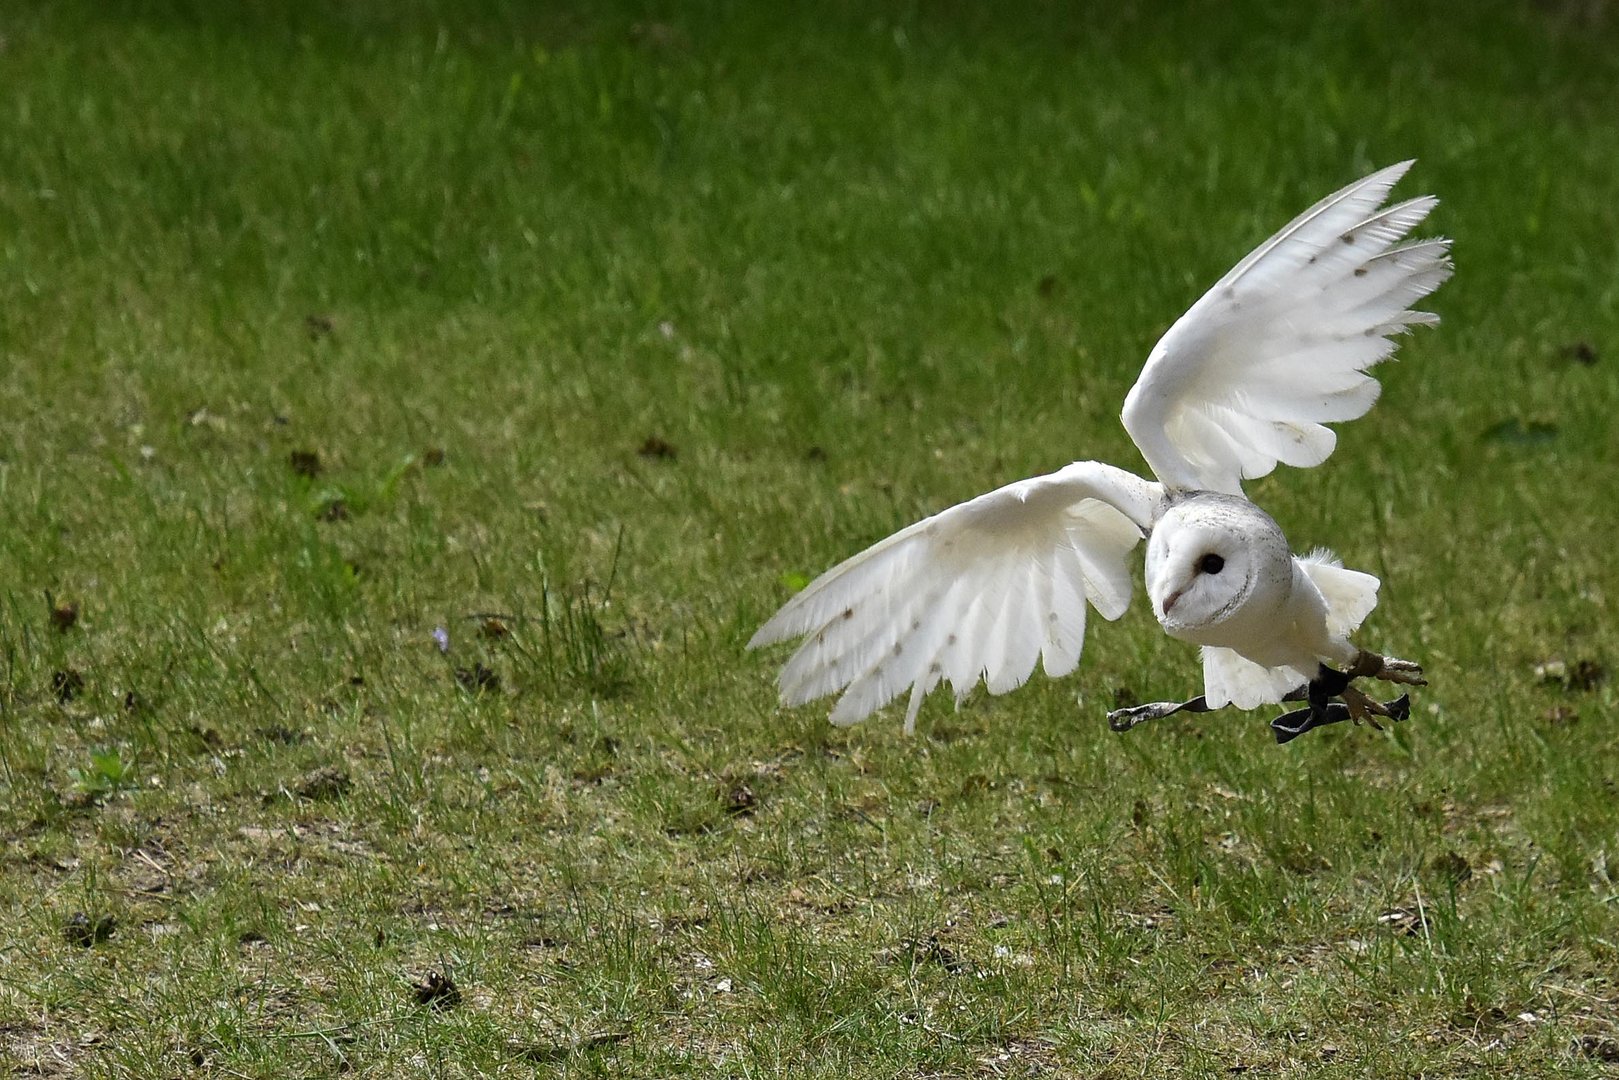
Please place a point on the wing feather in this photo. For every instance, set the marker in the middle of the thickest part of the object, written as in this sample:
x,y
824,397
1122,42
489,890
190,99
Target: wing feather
x,y
1018,637
1283,342
1066,619
1231,679
1350,594
981,591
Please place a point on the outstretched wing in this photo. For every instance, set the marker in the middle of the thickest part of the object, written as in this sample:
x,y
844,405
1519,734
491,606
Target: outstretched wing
x,y
980,590
1281,344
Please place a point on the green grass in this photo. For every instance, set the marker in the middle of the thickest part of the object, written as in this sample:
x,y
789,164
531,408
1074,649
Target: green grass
x,y
850,264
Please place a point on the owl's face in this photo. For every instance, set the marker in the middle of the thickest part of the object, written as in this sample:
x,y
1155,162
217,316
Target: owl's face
x,y
1206,558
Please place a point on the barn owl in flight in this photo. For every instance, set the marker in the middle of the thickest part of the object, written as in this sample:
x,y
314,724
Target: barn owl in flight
x,y
1247,378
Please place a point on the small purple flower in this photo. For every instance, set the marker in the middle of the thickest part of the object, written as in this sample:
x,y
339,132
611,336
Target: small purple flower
x,y
441,638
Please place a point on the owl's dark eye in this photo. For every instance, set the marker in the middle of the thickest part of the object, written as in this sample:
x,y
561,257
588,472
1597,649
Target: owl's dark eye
x,y
1211,563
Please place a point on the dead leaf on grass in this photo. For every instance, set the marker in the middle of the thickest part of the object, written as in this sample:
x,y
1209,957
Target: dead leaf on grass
x,y
1412,922
437,991
740,801
304,463
64,616
67,684
1597,1047
656,446
478,679
81,930
1581,352
207,736
931,950
326,782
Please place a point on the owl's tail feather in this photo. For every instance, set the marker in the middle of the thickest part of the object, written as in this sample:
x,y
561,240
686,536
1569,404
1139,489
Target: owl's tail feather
x,y
1230,679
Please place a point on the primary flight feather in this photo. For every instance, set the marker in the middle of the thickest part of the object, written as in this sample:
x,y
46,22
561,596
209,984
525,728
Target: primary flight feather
x,y
1247,378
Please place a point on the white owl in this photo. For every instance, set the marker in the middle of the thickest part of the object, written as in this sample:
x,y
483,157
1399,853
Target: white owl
x,y
1245,379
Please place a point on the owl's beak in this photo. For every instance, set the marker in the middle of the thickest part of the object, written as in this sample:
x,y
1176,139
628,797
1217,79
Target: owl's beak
x,y
1169,601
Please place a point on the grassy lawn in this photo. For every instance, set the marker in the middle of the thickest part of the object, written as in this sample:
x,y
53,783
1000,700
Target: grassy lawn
x,y
410,410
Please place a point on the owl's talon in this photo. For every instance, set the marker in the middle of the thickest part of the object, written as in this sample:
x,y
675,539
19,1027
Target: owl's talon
x,y
1364,709
1392,669
1404,672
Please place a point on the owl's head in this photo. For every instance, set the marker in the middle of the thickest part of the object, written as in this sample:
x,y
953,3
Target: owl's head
x,y
1206,557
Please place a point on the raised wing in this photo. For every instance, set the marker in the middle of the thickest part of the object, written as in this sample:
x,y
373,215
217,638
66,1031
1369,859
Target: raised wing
x,y
978,591
1281,344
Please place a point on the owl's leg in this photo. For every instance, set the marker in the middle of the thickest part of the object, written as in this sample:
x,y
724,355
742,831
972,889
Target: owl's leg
x,y
1125,719
1327,684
